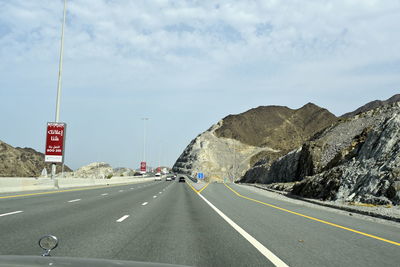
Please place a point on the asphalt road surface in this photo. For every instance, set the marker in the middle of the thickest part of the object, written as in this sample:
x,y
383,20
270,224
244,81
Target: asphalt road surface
x,y
171,222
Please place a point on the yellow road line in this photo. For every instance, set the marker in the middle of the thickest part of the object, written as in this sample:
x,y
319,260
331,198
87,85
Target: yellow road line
x,y
195,190
315,219
204,187
192,187
60,191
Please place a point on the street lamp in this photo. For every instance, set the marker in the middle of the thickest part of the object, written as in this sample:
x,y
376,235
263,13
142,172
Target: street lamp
x,y
53,165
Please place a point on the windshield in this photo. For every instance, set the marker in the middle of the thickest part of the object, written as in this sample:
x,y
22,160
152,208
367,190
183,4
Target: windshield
x,y
201,133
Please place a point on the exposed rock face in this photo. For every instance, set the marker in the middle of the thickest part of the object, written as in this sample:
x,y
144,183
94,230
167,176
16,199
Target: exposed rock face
x,y
372,105
23,162
230,147
217,158
357,159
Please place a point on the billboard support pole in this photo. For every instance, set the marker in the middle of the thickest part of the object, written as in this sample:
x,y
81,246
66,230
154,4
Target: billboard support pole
x,y
144,140
53,165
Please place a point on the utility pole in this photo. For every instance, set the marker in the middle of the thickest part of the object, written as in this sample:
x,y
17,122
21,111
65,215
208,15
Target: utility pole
x,y
57,119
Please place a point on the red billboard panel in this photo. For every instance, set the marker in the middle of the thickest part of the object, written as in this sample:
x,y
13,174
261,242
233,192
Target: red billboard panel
x,y
55,139
143,166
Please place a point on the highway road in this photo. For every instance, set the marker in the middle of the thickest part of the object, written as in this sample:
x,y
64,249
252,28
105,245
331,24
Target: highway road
x,y
212,225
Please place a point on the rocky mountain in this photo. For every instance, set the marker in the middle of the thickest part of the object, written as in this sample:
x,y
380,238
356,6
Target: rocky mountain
x,y
23,162
372,105
234,144
355,159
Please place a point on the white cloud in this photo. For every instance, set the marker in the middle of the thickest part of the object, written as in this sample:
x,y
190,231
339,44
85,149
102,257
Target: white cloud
x,y
266,48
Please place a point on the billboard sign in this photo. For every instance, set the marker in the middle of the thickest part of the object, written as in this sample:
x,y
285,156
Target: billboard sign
x,y
55,140
143,166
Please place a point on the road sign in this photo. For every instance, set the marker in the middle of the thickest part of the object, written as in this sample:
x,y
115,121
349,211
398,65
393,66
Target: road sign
x,y
200,175
55,140
143,166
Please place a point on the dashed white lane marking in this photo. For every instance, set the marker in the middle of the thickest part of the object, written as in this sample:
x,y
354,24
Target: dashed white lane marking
x,y
74,200
121,191
11,213
154,196
145,203
260,247
159,192
122,218
132,188
105,194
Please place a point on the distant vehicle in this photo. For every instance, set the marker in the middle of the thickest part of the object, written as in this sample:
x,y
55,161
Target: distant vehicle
x,y
158,174
169,179
173,177
182,179
158,178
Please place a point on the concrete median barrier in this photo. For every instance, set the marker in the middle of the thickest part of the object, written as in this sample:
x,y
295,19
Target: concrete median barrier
x,y
18,184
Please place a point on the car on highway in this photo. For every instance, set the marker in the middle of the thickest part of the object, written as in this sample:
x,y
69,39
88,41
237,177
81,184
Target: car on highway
x,y
169,179
158,178
182,179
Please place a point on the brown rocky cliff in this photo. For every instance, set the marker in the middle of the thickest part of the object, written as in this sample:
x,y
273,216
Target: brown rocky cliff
x,y
23,162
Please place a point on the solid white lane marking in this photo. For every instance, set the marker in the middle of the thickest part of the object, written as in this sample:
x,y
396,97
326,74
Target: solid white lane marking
x,y
154,196
122,218
74,200
145,203
260,247
105,194
11,213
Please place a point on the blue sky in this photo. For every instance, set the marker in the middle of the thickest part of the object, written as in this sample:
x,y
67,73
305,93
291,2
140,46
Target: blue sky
x,y
185,65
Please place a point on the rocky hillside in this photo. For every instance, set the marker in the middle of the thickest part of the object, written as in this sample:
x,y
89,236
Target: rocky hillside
x,y
372,105
122,171
98,170
356,159
22,162
234,144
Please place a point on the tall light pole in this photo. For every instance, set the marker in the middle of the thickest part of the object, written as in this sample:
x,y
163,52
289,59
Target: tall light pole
x,y
144,139
53,166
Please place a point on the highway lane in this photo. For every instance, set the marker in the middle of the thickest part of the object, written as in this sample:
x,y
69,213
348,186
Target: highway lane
x,y
169,222
52,213
175,226
37,198
301,241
